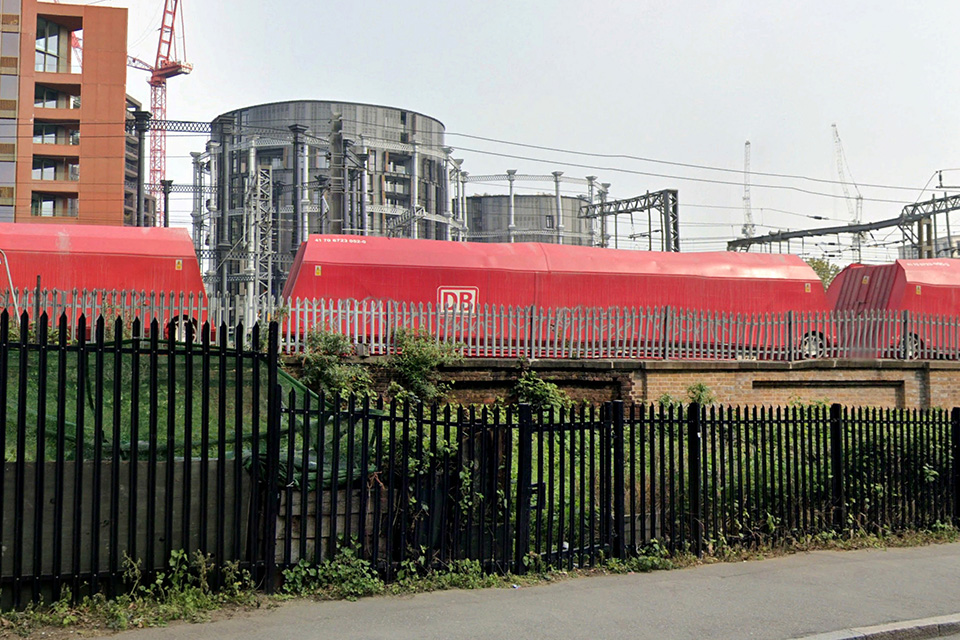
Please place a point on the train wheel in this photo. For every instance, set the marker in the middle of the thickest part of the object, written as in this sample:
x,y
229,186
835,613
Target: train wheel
x,y
178,328
912,346
812,346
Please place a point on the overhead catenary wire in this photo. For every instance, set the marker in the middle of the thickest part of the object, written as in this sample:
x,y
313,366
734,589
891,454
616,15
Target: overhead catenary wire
x,y
624,156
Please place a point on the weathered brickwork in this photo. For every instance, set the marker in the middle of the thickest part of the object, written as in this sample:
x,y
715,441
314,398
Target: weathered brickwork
x,y
863,383
855,383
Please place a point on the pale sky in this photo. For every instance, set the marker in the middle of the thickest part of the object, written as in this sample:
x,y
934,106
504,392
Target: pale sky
x,y
685,81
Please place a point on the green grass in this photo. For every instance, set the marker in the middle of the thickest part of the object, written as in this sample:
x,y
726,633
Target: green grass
x,y
184,406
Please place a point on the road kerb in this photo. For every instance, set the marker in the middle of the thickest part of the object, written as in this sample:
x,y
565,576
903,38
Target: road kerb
x,y
906,630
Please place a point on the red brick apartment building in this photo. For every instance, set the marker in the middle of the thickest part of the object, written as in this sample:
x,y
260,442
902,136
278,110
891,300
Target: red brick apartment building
x,y
62,139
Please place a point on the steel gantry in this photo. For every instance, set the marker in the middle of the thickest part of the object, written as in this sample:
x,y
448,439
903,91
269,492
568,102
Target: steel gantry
x,y
665,202
914,222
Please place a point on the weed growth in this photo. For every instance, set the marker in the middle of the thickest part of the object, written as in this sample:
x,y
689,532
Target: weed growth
x,y
414,367
324,365
182,592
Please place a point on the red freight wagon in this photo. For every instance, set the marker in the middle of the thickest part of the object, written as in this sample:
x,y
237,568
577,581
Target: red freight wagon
x,y
467,276
86,257
923,288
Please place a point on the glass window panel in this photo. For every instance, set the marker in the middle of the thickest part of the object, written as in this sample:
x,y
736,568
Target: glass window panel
x,y
6,213
11,6
8,87
8,131
43,205
44,170
10,44
45,97
44,134
41,34
8,173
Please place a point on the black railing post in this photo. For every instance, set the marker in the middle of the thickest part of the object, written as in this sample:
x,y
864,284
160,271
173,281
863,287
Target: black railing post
x,y
619,487
836,466
272,506
693,472
604,478
955,462
524,475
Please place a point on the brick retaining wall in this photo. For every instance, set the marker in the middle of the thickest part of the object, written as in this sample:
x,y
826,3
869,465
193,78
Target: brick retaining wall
x,y
867,382
881,383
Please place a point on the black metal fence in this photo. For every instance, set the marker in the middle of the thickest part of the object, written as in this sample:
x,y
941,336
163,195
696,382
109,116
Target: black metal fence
x,y
119,448
514,488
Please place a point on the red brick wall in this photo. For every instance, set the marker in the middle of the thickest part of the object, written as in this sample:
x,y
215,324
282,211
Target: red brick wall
x,y
864,383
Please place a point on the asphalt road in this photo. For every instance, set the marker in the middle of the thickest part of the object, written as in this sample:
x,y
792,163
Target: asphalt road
x,y
787,597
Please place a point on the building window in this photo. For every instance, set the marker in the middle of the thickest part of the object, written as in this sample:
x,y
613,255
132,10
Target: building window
x,y
8,173
47,205
45,134
8,131
548,222
9,86
43,205
44,169
48,46
45,97
10,45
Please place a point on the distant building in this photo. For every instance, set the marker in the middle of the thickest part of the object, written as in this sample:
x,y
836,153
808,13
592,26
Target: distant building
x,y
363,169
131,173
945,247
62,131
536,219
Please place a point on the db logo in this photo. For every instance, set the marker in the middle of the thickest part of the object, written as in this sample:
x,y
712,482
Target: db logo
x,y
457,298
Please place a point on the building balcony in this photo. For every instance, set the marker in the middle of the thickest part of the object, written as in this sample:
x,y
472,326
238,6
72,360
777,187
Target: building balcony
x,y
56,150
59,187
398,188
64,75
54,205
64,116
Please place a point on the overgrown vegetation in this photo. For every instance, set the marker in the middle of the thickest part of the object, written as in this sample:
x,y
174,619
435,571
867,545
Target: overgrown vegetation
x,y
345,577
540,394
697,392
324,365
414,368
182,592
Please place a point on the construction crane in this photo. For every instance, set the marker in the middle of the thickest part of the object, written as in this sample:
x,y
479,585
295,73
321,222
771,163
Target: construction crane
x,y
854,205
749,229
166,66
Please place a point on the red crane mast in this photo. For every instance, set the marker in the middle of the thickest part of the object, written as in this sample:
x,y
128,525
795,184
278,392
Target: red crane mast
x,y
167,66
